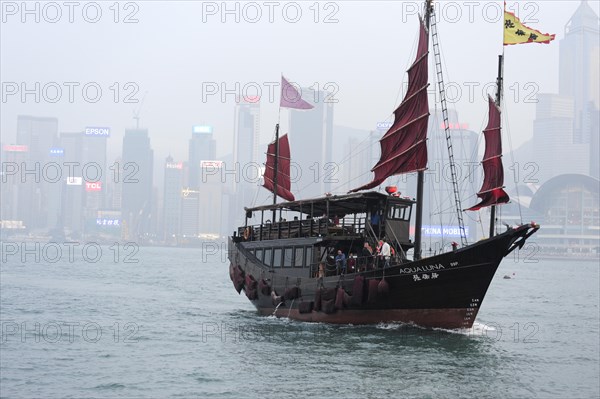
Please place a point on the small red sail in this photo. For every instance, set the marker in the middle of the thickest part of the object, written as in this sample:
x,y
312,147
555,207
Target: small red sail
x,y
284,184
404,146
492,192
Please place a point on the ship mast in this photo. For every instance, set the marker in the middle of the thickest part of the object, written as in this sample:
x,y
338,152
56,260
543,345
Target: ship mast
x,y
421,173
275,165
499,83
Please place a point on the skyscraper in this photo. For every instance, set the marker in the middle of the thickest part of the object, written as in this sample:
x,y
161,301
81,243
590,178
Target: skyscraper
x,y
11,188
210,199
93,150
311,143
564,124
39,199
579,67
73,186
245,157
247,131
138,160
202,147
172,200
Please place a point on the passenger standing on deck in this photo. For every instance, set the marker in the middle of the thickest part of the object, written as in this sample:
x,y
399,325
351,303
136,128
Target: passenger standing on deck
x,y
340,262
321,271
386,253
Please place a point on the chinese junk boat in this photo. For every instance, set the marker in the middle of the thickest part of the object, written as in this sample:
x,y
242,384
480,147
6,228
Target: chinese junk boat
x,y
291,268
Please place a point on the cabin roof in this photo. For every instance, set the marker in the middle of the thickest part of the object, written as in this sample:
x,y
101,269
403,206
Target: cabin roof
x,y
340,205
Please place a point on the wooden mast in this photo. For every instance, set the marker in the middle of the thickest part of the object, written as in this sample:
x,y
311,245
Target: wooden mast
x,y
421,174
498,100
275,165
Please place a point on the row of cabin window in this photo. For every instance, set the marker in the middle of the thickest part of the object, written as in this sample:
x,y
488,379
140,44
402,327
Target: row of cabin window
x,y
285,257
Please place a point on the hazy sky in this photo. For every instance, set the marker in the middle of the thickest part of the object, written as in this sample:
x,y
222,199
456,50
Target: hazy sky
x,y
177,50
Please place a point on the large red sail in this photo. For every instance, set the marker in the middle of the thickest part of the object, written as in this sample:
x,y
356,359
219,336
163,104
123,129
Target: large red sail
x,y
284,184
404,146
492,192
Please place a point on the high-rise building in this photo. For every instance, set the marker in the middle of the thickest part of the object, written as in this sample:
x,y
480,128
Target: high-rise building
x,y
311,143
138,160
202,147
564,123
73,186
246,162
11,188
189,213
171,225
247,131
210,199
579,54
93,151
580,78
39,198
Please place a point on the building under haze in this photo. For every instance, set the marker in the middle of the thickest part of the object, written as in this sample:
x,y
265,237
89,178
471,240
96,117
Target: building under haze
x,y
93,152
210,201
11,188
202,148
136,203
73,189
173,184
244,184
38,203
565,127
311,144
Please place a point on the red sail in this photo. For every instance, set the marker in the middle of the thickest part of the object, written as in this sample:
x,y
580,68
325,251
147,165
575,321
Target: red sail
x,y
283,169
492,192
404,146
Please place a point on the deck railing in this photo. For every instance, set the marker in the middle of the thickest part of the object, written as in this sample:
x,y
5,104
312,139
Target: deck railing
x,y
321,227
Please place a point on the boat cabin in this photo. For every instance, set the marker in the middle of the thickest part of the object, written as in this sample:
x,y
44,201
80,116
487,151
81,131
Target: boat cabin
x,y
309,233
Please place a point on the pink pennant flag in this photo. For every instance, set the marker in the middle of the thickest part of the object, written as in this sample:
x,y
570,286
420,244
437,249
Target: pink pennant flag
x,y
291,98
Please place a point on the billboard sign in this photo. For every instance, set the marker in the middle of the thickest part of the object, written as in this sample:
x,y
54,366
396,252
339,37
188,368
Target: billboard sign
x,y
97,131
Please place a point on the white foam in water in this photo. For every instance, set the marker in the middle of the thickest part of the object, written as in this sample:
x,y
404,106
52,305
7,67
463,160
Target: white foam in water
x,y
395,325
477,330
388,326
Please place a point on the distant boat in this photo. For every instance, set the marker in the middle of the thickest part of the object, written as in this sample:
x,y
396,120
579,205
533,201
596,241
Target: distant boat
x,y
291,268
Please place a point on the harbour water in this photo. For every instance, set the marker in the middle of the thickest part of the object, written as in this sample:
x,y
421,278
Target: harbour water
x,y
165,322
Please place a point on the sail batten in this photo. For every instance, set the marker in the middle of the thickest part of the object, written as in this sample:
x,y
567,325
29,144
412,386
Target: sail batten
x,y
284,185
404,145
492,190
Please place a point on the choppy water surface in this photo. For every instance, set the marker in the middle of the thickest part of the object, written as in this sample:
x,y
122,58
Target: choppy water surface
x,y
172,325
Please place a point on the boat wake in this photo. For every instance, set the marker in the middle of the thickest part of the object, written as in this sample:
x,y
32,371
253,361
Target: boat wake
x,y
478,330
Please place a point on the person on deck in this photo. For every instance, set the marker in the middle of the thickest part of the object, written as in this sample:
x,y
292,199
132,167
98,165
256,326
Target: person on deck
x,y
340,262
386,253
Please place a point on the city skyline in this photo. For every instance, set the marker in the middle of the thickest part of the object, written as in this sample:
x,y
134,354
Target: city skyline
x,y
328,155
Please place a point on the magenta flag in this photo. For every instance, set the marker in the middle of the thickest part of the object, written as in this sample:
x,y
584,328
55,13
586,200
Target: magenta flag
x,y
291,98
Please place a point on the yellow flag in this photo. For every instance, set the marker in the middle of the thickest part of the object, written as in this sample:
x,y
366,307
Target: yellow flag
x,y
517,33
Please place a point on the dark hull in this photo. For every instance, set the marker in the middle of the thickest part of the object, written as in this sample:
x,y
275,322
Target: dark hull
x,y
443,291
